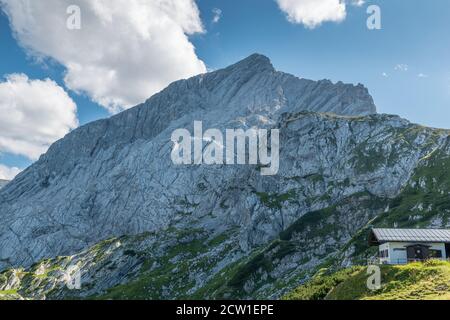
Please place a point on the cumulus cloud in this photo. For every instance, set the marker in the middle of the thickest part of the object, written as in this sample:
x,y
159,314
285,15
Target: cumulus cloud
x,y
312,13
125,51
8,173
34,114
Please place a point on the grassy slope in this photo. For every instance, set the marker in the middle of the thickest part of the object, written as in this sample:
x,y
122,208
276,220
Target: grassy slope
x,y
417,281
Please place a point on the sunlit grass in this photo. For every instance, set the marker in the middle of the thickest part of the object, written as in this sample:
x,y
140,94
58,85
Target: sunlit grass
x,y
415,281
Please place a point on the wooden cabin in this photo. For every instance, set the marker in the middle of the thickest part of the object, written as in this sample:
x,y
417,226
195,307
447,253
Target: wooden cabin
x,y
401,246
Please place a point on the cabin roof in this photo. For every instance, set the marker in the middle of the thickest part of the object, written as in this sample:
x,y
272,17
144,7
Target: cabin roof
x,y
378,236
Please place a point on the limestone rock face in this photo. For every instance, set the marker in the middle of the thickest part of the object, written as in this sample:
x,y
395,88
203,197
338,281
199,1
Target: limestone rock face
x,y
3,183
115,176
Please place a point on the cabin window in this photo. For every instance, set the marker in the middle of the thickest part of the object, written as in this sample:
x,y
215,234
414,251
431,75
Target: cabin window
x,y
437,254
384,253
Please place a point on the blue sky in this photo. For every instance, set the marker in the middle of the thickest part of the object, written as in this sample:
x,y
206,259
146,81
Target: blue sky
x,y
414,37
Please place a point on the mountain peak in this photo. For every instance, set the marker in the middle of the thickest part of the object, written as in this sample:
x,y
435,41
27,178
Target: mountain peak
x,y
83,180
255,61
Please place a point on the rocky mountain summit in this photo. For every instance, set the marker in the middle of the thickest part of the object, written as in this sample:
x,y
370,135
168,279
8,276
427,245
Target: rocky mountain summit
x,y
115,176
108,199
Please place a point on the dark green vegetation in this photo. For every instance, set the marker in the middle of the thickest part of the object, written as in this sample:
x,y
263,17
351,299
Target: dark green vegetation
x,y
275,201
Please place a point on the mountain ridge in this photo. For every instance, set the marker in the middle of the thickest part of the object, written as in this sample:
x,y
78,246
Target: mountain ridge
x,y
72,191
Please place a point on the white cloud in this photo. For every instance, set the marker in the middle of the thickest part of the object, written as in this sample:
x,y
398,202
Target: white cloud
x,y
401,67
217,15
312,13
125,51
34,114
422,75
8,173
384,74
